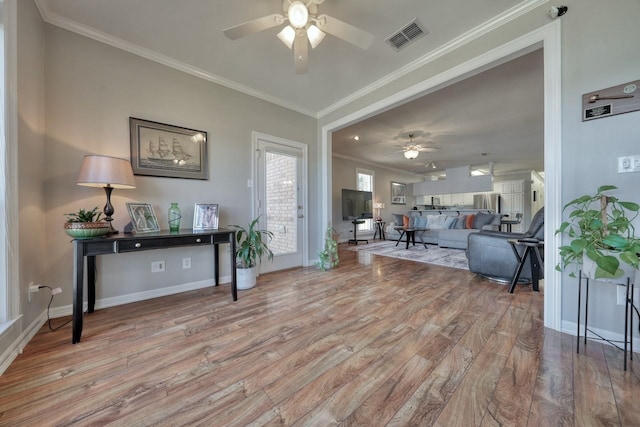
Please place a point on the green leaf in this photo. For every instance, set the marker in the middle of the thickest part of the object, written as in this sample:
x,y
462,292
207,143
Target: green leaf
x,y
578,245
608,263
631,206
630,258
604,188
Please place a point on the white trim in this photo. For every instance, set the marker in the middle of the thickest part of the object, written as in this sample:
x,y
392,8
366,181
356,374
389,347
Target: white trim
x,y
570,328
547,37
255,136
16,347
445,49
379,166
92,33
67,310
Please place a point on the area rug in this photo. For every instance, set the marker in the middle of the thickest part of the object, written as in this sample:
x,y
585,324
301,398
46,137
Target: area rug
x,y
433,254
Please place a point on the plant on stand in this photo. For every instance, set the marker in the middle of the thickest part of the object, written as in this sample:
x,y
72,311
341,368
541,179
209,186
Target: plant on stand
x,y
251,246
328,257
602,235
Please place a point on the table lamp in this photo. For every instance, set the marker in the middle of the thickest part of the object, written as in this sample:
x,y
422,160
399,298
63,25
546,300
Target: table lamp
x,y
379,206
108,172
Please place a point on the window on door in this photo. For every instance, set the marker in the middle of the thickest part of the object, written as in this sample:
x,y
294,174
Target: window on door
x,y
364,182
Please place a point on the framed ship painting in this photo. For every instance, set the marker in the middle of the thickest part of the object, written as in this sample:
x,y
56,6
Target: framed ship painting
x,y
159,149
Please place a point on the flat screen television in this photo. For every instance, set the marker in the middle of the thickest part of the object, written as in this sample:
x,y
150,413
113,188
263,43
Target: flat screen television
x,y
356,204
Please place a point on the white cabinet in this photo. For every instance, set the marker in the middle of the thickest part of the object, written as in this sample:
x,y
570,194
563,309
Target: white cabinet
x,y
512,200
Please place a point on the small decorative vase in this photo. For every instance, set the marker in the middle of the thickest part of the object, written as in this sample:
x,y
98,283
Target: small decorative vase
x,y
174,217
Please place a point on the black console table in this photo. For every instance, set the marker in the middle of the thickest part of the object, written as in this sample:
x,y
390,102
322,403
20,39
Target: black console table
x,y
355,239
127,242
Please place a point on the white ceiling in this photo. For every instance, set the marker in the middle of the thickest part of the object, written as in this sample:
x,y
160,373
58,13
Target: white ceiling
x,y
187,35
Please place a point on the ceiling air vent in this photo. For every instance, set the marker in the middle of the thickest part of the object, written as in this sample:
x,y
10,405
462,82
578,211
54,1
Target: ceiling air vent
x,y
407,35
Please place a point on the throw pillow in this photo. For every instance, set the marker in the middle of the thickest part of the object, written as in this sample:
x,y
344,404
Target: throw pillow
x,y
436,222
460,221
420,222
481,220
469,221
405,221
450,222
397,218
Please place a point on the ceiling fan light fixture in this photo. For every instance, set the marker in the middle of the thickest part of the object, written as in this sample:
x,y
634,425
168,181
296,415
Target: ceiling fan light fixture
x,y
287,35
298,14
315,36
411,153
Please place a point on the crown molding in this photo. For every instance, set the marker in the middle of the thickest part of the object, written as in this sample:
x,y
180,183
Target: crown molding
x,y
83,30
379,166
471,35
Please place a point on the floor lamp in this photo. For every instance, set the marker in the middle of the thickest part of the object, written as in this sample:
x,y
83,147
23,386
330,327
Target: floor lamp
x,y
107,172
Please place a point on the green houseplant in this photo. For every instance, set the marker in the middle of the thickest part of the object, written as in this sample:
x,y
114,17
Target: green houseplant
x,y
600,230
251,246
328,257
85,224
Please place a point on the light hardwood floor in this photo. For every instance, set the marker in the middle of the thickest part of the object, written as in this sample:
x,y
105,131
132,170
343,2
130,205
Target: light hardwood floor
x,y
377,341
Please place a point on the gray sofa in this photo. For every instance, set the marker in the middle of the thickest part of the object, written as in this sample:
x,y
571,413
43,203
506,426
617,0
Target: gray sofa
x,y
446,231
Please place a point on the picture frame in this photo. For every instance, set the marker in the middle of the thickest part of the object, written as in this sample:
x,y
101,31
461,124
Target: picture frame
x,y
205,216
398,193
143,218
162,150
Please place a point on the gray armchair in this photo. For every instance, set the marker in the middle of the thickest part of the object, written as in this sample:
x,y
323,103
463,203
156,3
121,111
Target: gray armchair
x,y
490,254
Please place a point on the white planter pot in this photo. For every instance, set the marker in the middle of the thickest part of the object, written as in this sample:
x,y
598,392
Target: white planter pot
x,y
624,270
246,278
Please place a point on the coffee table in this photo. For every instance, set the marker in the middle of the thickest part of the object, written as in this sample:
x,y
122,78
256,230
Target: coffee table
x,y
411,235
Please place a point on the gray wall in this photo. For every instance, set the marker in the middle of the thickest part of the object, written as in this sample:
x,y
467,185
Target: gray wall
x,y
91,91
344,176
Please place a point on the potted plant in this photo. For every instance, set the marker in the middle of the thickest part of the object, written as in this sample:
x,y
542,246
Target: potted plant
x,y
251,246
328,257
602,236
85,224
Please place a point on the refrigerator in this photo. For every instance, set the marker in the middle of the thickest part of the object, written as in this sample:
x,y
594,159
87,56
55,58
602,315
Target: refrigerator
x,y
489,201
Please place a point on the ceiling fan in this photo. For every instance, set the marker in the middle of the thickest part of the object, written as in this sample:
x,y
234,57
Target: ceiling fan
x,y
305,27
412,150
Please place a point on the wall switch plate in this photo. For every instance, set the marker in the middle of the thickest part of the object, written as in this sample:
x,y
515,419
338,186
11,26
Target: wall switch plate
x,y
186,263
629,164
157,266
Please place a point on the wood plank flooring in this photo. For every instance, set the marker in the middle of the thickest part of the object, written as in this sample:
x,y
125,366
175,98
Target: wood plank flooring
x,y
376,342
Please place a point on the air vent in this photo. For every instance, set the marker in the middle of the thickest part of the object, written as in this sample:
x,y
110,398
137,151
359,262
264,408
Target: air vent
x,y
407,35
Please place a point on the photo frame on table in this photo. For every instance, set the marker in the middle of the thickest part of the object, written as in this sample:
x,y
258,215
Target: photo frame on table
x,y
398,193
143,218
205,216
163,150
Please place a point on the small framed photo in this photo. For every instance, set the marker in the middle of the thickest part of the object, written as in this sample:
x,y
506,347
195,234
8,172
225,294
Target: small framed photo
x,y
398,193
205,216
143,218
159,149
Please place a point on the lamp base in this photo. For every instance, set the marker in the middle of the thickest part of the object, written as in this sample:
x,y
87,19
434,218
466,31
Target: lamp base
x,y
111,229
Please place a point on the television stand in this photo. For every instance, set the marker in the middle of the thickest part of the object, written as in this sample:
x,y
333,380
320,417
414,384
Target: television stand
x,y
355,239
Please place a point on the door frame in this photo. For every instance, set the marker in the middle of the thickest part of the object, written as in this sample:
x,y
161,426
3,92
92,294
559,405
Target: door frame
x,y
304,184
546,37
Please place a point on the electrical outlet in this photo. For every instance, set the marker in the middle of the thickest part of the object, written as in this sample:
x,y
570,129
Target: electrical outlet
x,y
186,263
32,288
157,267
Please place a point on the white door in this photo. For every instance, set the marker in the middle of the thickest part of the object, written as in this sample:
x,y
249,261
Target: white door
x,y
281,181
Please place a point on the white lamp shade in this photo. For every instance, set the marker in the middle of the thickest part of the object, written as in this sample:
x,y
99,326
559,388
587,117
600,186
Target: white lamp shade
x,y
100,171
287,35
315,36
378,205
298,14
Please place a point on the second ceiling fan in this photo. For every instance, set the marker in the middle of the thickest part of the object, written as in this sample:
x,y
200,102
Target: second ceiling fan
x,y
305,27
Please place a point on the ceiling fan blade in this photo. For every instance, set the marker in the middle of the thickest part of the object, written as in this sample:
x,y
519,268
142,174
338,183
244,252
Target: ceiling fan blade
x,y
253,26
301,52
346,32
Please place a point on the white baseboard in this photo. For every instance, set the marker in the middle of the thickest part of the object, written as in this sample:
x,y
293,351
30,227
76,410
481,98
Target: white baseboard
x,y
67,310
22,340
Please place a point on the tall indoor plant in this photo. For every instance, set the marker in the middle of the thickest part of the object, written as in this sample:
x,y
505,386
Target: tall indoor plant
x,y
601,231
251,246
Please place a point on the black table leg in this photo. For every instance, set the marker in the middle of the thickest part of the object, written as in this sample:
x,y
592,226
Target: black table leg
x,y
91,283
78,284
216,264
535,270
234,283
402,233
516,275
